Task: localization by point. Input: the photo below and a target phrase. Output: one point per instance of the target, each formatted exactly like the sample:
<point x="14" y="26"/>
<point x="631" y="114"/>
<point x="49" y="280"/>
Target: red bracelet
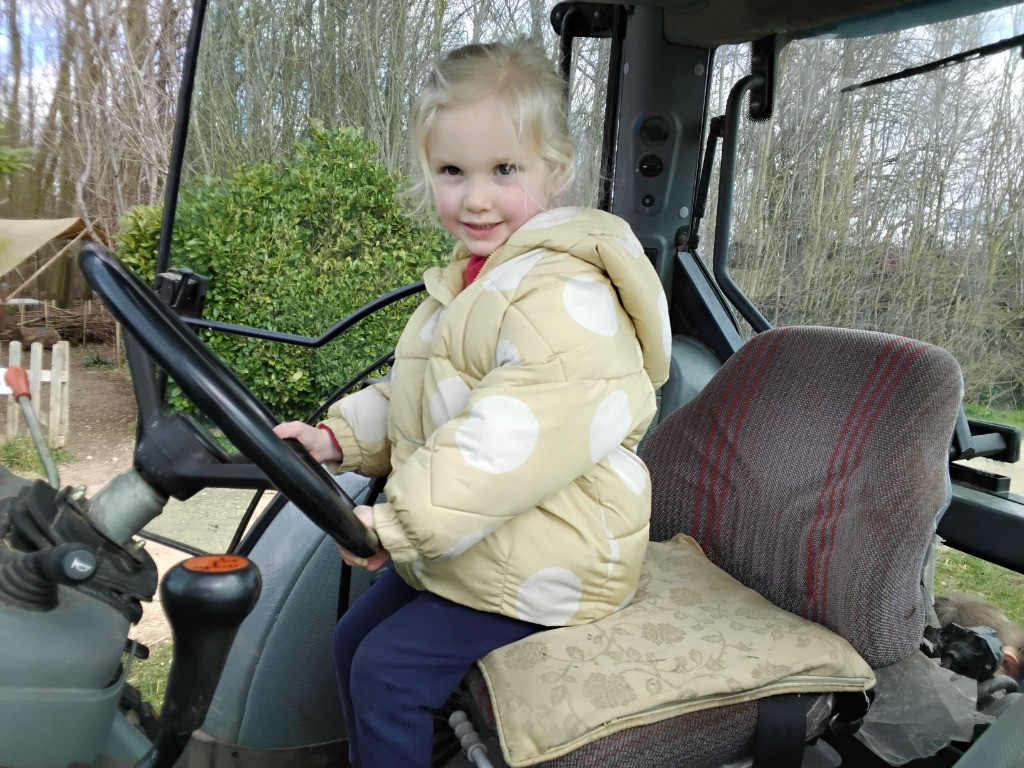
<point x="334" y="440"/>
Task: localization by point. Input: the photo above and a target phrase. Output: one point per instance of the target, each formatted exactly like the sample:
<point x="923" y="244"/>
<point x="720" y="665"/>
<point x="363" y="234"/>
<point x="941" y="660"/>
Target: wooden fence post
<point x="35" y="376"/>
<point x="58" y="377"/>
<point x="13" y="359"/>
<point x="60" y="373"/>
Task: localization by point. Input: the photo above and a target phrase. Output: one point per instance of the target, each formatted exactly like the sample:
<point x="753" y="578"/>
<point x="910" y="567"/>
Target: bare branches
<point x="896" y="208"/>
<point x="104" y="79"/>
<point x="899" y="207"/>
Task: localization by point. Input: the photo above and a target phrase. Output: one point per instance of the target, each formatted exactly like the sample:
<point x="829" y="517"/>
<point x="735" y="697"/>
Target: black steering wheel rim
<point x="224" y="398"/>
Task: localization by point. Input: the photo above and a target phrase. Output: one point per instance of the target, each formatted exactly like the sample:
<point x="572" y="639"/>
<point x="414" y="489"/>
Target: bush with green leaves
<point x="13" y="159"/>
<point x="294" y="247"/>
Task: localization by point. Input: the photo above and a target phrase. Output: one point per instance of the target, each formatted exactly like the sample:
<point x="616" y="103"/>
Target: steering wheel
<point x="225" y="399"/>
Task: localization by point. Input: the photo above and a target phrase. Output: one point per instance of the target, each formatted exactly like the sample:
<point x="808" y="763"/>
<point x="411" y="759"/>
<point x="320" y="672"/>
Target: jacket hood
<point x="601" y="239"/>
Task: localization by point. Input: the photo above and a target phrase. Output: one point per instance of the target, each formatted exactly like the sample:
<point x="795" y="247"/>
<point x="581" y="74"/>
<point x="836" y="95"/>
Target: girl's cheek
<point x="443" y="205"/>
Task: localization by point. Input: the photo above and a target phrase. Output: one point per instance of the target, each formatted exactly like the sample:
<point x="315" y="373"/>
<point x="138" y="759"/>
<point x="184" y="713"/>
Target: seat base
<point x="692" y="639"/>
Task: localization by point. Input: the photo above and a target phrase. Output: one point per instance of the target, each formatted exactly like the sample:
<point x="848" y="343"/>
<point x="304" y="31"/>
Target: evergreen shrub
<point x="294" y="247"/>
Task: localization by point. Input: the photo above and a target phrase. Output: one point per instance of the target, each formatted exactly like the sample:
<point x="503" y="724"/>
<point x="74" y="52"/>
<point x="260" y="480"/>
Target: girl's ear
<point x="560" y="179"/>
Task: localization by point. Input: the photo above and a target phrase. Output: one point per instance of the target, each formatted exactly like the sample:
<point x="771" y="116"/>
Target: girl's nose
<point x="477" y="198"/>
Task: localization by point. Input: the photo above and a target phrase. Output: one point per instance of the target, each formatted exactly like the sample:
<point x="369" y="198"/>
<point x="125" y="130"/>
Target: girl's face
<point x="486" y="184"/>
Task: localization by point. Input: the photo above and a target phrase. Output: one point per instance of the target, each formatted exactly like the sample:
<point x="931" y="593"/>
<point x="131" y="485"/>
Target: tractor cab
<point x="830" y="195"/>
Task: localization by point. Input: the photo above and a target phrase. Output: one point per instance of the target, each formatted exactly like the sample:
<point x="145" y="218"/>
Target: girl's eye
<point x="506" y="169"/>
<point x="450" y="170"/>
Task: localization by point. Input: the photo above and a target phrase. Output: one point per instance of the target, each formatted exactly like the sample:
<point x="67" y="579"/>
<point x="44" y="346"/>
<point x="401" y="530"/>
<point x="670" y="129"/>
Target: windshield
<point x="897" y="207"/>
<point x="295" y="174"/>
<point x="269" y="70"/>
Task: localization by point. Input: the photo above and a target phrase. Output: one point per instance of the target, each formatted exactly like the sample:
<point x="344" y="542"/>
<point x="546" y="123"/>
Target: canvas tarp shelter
<point x="21" y="238"/>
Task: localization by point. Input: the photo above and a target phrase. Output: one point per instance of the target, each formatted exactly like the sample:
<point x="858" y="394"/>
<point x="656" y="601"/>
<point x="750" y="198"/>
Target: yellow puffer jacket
<point x="510" y="421"/>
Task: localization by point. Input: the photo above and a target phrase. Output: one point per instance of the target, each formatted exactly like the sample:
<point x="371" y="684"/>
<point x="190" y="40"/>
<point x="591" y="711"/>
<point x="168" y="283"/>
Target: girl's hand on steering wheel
<point x="373" y="563"/>
<point x="318" y="442"/>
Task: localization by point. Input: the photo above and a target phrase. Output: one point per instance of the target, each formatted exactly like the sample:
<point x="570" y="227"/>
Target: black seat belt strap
<point x="781" y="732"/>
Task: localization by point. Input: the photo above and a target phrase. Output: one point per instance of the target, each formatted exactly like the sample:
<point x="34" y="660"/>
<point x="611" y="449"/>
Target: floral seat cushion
<point x="692" y="638"/>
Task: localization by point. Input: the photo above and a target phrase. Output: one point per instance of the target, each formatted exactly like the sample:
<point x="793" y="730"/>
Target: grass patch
<point x="95" y="359"/>
<point x="150" y="675"/>
<point x="19" y="454"/>
<point x="955" y="570"/>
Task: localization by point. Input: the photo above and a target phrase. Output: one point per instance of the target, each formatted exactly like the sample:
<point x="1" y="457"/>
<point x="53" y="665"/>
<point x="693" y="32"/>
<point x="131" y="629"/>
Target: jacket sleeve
<point x="360" y="424"/>
<point x="561" y="397"/>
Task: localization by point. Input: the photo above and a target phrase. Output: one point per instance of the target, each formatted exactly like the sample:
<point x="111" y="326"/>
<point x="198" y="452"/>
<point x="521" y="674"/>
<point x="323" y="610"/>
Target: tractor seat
<point x="806" y="479"/>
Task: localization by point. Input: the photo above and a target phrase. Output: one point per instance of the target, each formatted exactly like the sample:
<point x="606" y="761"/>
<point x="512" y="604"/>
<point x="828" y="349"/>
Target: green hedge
<point x="295" y="247"/>
<point x="13" y="160"/>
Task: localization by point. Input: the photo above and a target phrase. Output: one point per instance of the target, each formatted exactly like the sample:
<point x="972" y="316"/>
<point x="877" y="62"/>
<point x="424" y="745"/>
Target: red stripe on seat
<point x="911" y="354"/>
<point x="889" y="368"/>
<point x="740" y="357"/>
<point x="750" y="391"/>
<point x="810" y="600"/>
<point x="727" y="420"/>
<point x="749" y="350"/>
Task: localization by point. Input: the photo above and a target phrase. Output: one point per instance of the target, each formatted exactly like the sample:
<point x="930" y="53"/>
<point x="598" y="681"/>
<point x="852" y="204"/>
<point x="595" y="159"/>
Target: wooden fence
<point x="54" y="419"/>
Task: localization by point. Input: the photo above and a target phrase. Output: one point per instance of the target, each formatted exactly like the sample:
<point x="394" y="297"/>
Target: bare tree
<point x="99" y="117"/>
<point x="356" y="65"/>
<point x="12" y="92"/>
<point x="897" y="207"/>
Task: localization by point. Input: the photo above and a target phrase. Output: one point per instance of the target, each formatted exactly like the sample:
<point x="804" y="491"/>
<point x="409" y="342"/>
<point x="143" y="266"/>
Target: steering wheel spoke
<point x="220" y="395"/>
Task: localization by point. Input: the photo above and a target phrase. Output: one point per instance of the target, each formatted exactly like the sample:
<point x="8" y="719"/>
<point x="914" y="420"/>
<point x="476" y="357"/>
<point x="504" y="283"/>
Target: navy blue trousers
<point x="399" y="653"/>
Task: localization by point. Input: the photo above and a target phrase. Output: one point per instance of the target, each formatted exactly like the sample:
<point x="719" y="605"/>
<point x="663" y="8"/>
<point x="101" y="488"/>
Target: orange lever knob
<point x="17" y="380"/>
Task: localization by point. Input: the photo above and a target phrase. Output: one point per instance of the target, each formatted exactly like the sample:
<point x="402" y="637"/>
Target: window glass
<point x="292" y="187"/>
<point x="896" y="207"/>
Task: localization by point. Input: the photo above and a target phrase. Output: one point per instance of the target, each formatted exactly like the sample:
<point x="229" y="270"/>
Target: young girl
<point x="521" y="386"/>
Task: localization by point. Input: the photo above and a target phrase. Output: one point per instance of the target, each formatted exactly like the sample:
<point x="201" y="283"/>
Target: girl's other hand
<point x="322" y="447"/>
<point x="317" y="441"/>
<point x="365" y="515"/>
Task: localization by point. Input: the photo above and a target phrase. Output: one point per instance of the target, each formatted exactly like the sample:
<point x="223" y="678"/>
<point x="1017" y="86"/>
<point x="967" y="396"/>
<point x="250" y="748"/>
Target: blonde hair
<point x="518" y="72"/>
<point x="971" y="611"/>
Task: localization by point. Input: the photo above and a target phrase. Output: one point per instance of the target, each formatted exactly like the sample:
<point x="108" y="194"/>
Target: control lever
<point x="16" y="379"/>
<point x="205" y="599"/>
<point x="30" y="581"/>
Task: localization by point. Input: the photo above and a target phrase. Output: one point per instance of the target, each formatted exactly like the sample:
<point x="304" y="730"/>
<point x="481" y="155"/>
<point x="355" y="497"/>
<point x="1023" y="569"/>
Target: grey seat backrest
<point x="812" y="468"/>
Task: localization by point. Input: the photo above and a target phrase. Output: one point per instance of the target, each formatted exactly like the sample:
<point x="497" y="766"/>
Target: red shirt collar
<point x="476" y="263"/>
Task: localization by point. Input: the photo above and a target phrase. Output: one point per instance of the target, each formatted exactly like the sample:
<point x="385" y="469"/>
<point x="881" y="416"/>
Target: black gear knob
<point x="205" y="599"/>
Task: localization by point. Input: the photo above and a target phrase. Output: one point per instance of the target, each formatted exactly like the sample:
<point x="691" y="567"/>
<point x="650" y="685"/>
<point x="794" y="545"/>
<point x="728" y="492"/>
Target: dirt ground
<point x="101" y="438"/>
